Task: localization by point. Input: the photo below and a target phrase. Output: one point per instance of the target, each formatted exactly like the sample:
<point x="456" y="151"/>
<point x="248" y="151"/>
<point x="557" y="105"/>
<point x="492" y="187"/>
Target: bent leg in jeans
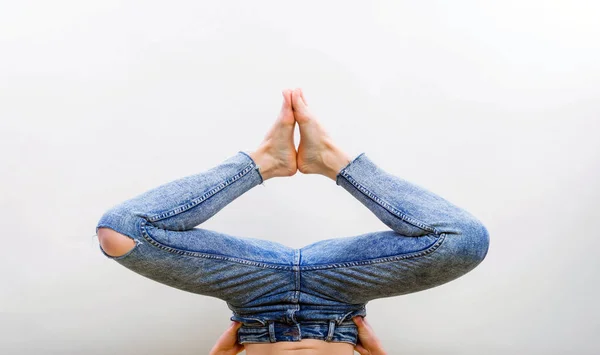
<point x="431" y="242"/>
<point x="276" y="290"/>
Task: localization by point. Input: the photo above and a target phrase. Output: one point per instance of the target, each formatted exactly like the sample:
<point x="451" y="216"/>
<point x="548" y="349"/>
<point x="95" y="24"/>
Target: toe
<point x="302" y="96"/>
<point x="297" y="99"/>
<point x="287" y="98"/>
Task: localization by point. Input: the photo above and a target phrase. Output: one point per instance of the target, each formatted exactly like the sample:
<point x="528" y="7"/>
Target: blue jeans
<point x="285" y="294"/>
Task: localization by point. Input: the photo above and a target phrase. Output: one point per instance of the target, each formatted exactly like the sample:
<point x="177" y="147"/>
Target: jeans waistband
<point x="274" y="331"/>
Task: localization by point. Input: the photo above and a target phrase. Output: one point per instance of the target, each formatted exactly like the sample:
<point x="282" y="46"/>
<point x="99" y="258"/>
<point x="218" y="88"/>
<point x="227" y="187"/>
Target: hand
<point x="368" y="343"/>
<point x="227" y="343"/>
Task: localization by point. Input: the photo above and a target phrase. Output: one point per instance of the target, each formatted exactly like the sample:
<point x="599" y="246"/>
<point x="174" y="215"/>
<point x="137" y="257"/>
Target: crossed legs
<point x="276" y="155"/>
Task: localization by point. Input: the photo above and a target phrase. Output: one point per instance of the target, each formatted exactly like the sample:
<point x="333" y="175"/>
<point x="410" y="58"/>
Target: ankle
<point x="264" y="160"/>
<point x="334" y="160"/>
<point x="271" y="164"/>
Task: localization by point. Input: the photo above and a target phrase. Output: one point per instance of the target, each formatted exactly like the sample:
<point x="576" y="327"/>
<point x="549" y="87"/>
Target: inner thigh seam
<point x="403" y="216"/>
<point x="386" y="259"/>
<point x="178" y="251"/>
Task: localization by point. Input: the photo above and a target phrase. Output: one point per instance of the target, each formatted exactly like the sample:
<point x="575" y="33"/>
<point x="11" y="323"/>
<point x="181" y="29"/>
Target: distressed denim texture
<point x="285" y="294"/>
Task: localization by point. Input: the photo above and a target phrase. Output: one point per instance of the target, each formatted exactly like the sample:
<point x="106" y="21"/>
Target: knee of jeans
<point x="482" y="241"/>
<point x="113" y="243"/>
<point x="123" y="221"/>
<point x="475" y="241"/>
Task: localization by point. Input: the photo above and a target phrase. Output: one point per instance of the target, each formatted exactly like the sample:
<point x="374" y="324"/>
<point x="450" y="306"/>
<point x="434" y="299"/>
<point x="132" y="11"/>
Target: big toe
<point x="287" y="100"/>
<point x="297" y="100"/>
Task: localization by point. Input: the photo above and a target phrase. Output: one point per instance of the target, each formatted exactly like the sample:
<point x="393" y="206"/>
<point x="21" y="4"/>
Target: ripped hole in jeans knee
<point x="115" y="244"/>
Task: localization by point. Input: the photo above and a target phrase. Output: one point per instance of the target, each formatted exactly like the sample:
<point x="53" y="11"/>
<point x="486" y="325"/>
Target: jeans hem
<point x="256" y="167"/>
<point x="345" y="167"/>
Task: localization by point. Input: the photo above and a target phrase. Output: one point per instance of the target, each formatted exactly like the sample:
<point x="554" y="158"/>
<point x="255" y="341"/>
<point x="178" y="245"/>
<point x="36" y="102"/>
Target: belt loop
<point x="331" y="329"/>
<point x="272" y="332"/>
<point x="344" y="317"/>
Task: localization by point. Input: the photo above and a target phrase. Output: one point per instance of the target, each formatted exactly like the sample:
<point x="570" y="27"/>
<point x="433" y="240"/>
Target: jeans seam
<point x="178" y="251"/>
<point x="256" y="166"/>
<point x="392" y="258"/>
<point x="403" y="216"/>
<point x="196" y="201"/>
<point x="307" y="337"/>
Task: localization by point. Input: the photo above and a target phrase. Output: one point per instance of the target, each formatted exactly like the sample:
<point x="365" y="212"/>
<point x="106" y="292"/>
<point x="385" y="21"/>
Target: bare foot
<point x="317" y="154"/>
<point x="276" y="155"/>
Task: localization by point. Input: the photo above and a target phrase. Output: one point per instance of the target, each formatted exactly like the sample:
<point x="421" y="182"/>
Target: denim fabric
<point x="285" y="294"/>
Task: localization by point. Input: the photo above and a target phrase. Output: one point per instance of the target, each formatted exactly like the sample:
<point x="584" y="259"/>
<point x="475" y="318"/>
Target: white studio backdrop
<point x="492" y="105"/>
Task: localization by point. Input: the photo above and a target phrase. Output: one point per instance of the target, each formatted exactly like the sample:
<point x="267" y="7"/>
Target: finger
<point x="239" y="348"/>
<point x="365" y="333"/>
<point x="366" y="321"/>
<point x="361" y="350"/>
<point x="234" y="327"/>
<point x="358" y="321"/>
<point x="229" y="338"/>
<point x="361" y="322"/>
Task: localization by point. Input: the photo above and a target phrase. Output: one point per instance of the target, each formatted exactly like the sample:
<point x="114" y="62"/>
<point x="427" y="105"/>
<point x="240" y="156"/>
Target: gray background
<point x="492" y="105"/>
